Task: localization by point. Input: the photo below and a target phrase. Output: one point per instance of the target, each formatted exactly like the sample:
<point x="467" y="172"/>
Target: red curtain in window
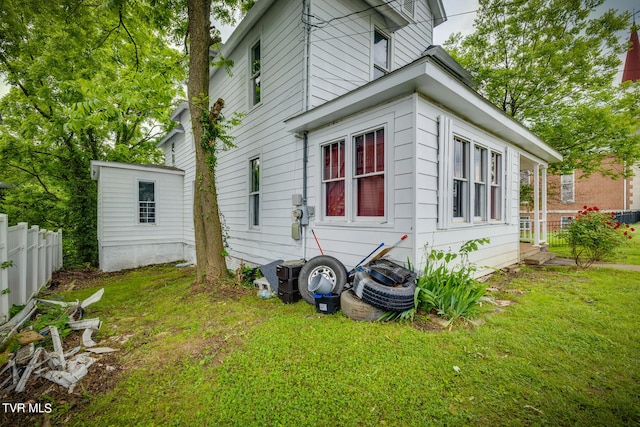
<point x="334" y="170"/>
<point x="371" y="196"/>
<point x="335" y="198"/>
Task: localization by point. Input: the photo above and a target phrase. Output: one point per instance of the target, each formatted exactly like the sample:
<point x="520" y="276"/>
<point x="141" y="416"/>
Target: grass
<point x="566" y="353"/>
<point x="629" y="253"/>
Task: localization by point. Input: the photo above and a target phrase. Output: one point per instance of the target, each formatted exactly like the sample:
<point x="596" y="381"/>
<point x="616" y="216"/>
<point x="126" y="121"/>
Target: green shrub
<point x="594" y="234"/>
<point x="451" y="291"/>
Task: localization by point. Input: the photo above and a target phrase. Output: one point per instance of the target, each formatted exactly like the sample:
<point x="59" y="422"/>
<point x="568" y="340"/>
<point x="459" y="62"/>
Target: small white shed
<point x="140" y="214"/>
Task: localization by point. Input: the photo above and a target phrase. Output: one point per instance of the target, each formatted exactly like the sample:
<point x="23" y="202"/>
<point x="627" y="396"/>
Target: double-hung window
<point x="333" y="179"/>
<point x="567" y="188"/>
<point x="369" y="173"/>
<point x="381" y="49"/>
<point x="146" y="202"/>
<point x="353" y="177"/>
<point x="460" y="177"/>
<point x="480" y="182"/>
<point x="255" y="73"/>
<point x="254" y="193"/>
<point x="485" y="178"/>
<point x="496" y="186"/>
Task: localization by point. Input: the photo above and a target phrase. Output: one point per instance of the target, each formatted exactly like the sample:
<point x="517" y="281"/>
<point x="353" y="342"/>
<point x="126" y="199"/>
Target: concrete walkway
<point x="570" y="262"/>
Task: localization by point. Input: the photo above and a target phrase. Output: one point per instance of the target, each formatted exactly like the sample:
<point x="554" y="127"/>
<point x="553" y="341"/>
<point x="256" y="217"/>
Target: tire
<point x="396" y="298"/>
<point x="329" y="267"/>
<point x="356" y="309"/>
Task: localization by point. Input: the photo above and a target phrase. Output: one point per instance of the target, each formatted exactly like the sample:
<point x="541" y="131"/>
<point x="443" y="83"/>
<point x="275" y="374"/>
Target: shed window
<point x="146" y="202"/>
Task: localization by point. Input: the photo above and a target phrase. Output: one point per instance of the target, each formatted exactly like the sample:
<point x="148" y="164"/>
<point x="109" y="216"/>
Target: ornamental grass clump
<point x="594" y="234"/>
<point x="451" y="291"/>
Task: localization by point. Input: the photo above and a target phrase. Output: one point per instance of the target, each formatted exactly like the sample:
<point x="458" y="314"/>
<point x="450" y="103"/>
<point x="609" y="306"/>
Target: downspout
<point x="306" y="12"/>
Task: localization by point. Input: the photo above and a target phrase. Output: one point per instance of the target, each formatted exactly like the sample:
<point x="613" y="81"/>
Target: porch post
<point x="543" y="228"/>
<point x="536" y="205"/>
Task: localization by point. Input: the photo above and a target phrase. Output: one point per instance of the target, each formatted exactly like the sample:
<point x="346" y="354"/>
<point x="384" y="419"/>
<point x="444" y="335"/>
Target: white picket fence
<point x="28" y="257"/>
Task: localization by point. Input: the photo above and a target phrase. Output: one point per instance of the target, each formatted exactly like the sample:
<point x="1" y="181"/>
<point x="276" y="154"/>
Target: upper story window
<point x="381" y="54"/>
<point x="146" y="202"/>
<point x="255" y="73"/>
<point x="567" y="188"/>
<point x="173" y="154"/>
<point x="254" y="192"/>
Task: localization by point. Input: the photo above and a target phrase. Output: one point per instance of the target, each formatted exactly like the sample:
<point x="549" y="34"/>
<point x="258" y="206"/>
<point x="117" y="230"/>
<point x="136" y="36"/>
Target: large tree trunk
<point x="211" y="265"/>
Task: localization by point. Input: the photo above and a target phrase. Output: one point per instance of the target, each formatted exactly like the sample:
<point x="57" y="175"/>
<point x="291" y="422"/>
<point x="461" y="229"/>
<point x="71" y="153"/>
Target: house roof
<point x="176" y="130"/>
<point x="96" y="165"/>
<point x="632" y="61"/>
<point x="433" y="76"/>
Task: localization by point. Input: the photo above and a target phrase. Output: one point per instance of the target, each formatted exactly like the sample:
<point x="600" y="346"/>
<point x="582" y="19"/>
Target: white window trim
<point x="447" y="131"/>
<point x="249" y="176"/>
<point x="384" y="121"/>
<point x="251" y="75"/>
<point x="323" y="192"/>
<point x="155" y="202"/>
<point x="572" y="181"/>
<point x="376" y="28"/>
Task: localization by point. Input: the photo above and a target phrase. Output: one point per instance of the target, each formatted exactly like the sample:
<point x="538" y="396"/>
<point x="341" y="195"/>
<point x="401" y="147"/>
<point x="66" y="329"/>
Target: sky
<point x="460" y="17"/>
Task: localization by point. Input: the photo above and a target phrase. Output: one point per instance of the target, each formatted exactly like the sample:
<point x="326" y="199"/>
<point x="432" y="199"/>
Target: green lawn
<point x="629" y="253"/>
<point x="566" y="353"/>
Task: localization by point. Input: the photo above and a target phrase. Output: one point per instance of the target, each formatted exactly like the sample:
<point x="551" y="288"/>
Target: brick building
<point x="567" y="194"/>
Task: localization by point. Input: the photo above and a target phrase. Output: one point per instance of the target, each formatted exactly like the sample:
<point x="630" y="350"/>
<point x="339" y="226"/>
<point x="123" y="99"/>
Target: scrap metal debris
<point x="32" y="360"/>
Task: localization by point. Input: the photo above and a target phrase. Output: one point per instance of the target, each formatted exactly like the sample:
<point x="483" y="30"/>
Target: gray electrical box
<point x="296" y="200"/>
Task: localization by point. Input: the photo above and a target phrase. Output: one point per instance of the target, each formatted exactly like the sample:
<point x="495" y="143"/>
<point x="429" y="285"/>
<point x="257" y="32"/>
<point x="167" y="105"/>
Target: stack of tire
<point x="379" y="287"/>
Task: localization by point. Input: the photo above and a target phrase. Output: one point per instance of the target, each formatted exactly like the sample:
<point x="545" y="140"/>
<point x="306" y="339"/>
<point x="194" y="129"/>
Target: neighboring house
<point x="570" y="193"/>
<point x="356" y="128"/>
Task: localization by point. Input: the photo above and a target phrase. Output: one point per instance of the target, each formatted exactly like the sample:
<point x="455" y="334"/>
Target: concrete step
<point x="539" y="258"/>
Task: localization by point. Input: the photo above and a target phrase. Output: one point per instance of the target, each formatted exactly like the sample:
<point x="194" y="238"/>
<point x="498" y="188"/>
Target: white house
<point x="356" y="128"/>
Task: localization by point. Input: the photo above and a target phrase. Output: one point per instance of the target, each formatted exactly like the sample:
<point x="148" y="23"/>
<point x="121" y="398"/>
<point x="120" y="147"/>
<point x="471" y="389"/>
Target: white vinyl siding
<point x="262" y="135"/>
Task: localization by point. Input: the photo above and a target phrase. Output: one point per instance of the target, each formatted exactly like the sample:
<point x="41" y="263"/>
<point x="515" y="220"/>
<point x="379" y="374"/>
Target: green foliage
<point x="551" y="64"/>
<point x="7" y="264"/>
<point x="452" y="292"/>
<point x="88" y="82"/>
<point x="594" y="234"/>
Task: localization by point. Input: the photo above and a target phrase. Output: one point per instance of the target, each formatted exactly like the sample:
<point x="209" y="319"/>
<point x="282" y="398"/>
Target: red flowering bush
<point x="593" y="234"/>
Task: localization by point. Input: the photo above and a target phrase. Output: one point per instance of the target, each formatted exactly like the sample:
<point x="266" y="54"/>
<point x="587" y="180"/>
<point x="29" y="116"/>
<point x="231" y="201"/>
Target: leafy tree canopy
<point x="551" y="65"/>
<point x="90" y="80"/>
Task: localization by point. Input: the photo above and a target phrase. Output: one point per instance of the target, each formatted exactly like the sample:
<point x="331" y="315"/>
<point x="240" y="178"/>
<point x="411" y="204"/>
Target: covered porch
<point x="533" y="202"/>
